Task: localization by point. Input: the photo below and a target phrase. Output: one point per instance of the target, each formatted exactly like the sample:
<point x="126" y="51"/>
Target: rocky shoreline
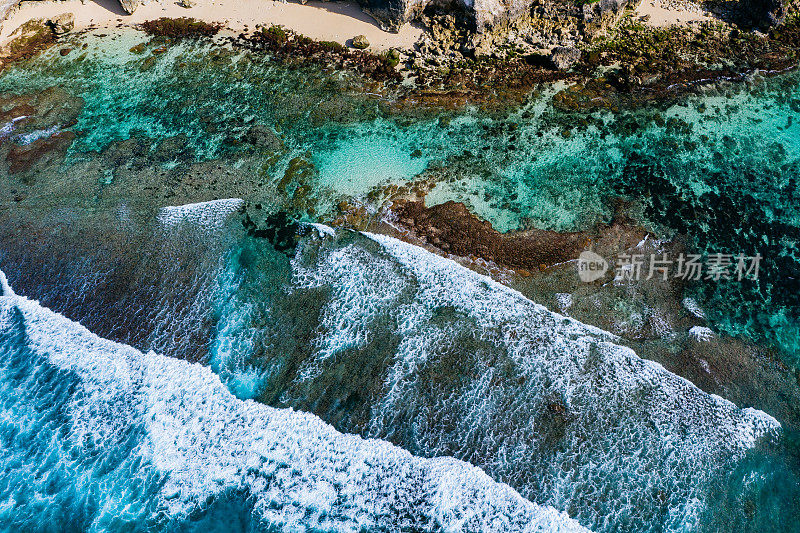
<point x="607" y="55"/>
<point x="538" y="263"/>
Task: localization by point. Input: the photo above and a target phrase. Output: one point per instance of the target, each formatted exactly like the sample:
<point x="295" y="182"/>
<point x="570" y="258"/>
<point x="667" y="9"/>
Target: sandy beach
<point x="661" y="14"/>
<point x="329" y="21"/>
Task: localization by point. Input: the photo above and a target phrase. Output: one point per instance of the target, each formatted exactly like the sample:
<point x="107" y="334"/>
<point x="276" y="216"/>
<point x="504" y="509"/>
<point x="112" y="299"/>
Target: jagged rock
<point x="392" y="14"/>
<point x="484" y="14"/>
<point x="129" y="6"/>
<point x="601" y="15"/>
<point x="360" y="42"/>
<point x="563" y="57"/>
<point x="188" y="4"/>
<point x="491" y="13"/>
<point x="62" y="24"/>
<point x="6" y="7"/>
<point x="767" y="12"/>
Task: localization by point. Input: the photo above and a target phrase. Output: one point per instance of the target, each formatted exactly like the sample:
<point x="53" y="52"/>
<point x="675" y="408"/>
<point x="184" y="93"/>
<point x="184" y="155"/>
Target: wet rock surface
<point x="26" y="41"/>
<point x="452" y="228"/>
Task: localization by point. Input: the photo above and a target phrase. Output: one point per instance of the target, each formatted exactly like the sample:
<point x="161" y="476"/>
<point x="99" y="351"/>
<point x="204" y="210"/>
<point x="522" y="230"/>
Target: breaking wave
<point x="384" y="340"/>
<point x="400" y="344"/>
<point x="97" y="436"/>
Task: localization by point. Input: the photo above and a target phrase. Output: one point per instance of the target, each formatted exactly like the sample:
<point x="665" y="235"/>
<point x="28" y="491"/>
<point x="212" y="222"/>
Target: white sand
<point x="329" y="21"/>
<point x="662" y="15"/>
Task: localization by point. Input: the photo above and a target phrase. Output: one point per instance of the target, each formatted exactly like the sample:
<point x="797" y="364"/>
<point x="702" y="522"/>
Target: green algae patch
<point x="332" y="46"/>
<point x="28" y="40"/>
<point x="392" y="57"/>
<point x="138" y="49"/>
<point x="275" y="35"/>
<point x="180" y="28"/>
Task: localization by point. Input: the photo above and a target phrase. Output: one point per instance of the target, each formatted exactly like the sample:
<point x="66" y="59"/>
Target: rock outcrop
<point x="563" y="57"/>
<point x="63" y="23"/>
<point x="483" y="14"/>
<point x="762" y="13"/>
<point x="129" y="6"/>
<point x="601" y="15"/>
<point x="360" y="42"/>
<point x="6" y="7"/>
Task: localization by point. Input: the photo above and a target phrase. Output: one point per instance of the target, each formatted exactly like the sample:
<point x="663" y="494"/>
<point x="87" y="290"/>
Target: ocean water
<point x="383" y="339"/>
<point x="474" y="401"/>
<point x="100" y="437"/>
<point x="719" y="168"/>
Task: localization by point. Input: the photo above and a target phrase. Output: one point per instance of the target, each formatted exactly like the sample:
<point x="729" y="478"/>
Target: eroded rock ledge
<point x="452" y="228"/>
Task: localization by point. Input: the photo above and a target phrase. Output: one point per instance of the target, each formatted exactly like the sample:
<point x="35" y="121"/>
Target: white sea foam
<point x="701" y="334"/>
<point x="28" y="138"/>
<point x="8" y="127"/>
<point x="564" y="300"/>
<point x="323" y="230"/>
<point x="556" y="408"/>
<point x="691" y="305"/>
<point x="202" y="444"/>
<point x="5" y="288"/>
<point x="208" y="214"/>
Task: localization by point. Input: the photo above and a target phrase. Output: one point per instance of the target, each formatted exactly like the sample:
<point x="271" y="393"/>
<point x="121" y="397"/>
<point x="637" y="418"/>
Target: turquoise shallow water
<point x="720" y="168"/>
<point x="376" y="344"/>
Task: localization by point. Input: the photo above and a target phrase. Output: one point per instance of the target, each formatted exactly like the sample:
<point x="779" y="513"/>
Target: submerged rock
<point x="40" y="153"/>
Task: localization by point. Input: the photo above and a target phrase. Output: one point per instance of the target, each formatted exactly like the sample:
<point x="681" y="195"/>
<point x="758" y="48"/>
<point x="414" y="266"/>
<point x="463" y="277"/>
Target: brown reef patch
<point x="17" y="113"/>
<point x="452" y="228"/>
<point x="42" y="110"/>
<point x="42" y="152"/>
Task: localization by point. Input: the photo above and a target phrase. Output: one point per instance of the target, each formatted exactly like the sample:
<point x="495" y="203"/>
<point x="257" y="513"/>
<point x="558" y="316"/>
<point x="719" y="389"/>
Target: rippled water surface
<point x="139" y="231"/>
